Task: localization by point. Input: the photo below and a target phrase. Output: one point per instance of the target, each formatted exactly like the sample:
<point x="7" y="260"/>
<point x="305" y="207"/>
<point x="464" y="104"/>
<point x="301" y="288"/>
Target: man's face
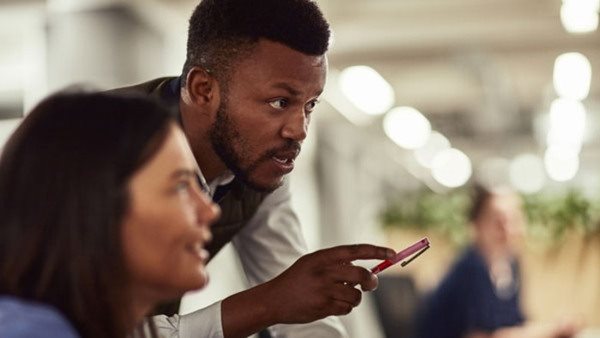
<point x="264" y="112"/>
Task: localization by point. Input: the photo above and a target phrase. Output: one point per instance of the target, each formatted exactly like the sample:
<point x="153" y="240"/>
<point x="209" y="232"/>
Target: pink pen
<point x="416" y="249"/>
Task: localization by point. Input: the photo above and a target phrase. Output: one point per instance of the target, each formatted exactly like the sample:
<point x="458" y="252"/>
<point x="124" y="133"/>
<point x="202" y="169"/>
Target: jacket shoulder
<point x="146" y="88"/>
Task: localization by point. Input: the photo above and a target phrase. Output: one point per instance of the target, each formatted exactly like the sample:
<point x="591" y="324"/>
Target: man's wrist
<point x="248" y="312"/>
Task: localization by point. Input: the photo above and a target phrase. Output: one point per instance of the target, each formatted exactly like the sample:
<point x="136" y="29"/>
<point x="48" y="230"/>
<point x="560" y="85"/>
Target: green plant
<point x="549" y="217"/>
<point x="552" y="216"/>
<point x="445" y="213"/>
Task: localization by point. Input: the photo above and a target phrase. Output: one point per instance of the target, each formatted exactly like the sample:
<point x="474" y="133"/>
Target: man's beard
<point x="223" y="135"/>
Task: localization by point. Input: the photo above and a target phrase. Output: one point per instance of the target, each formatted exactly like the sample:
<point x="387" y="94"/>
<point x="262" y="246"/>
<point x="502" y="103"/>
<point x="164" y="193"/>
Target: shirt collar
<point x="224" y="179"/>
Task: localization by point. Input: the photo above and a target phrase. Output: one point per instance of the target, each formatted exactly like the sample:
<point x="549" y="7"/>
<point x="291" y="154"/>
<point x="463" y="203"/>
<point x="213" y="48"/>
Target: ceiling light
<point x="526" y="173"/>
<point x="451" y="168"/>
<point x="561" y="163"/>
<point x="435" y="143"/>
<point x="572" y="76"/>
<point x="579" y="16"/>
<point x="407" y="127"/>
<point x="567" y="123"/>
<point x="366" y="89"/>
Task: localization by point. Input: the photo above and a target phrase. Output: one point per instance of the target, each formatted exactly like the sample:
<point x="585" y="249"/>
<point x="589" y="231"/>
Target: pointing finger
<point x="348" y="253"/>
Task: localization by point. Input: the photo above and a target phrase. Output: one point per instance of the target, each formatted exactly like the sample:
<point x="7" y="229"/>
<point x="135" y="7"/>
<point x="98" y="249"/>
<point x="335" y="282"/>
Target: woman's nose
<point x="208" y="211"/>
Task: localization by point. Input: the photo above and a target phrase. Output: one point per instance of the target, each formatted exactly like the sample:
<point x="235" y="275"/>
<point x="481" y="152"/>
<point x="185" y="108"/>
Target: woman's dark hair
<point x="222" y="31"/>
<point x="479" y="198"/>
<point x="63" y="196"/>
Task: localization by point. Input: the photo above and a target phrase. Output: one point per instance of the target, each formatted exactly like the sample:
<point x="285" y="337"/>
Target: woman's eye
<point x="279" y="103"/>
<point x="183" y="186"/>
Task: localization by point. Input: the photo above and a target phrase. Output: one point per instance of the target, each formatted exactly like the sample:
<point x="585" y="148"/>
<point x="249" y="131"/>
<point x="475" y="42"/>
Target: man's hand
<point x="323" y="283"/>
<point x="317" y="285"/>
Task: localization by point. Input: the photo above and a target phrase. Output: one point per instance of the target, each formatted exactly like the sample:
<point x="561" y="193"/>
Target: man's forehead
<point x="266" y="49"/>
<point x="297" y="91"/>
<point x="281" y="67"/>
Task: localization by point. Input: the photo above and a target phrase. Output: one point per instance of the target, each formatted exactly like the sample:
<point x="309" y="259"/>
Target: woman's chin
<point x="196" y="283"/>
<point x="199" y="282"/>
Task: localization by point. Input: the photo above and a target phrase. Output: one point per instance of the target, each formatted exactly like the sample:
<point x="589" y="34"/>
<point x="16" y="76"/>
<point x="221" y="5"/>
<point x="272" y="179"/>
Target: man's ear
<point x="202" y="88"/>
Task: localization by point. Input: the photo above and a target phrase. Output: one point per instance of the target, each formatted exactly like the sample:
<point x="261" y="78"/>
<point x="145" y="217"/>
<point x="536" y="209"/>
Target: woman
<point x="480" y="297"/>
<point x="101" y="218"/>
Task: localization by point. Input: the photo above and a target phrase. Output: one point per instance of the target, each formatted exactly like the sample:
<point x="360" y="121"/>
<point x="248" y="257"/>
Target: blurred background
<point x="424" y="98"/>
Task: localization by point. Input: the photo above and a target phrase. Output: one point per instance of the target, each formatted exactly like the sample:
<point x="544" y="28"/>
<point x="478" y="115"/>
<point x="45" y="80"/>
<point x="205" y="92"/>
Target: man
<point x="254" y="73"/>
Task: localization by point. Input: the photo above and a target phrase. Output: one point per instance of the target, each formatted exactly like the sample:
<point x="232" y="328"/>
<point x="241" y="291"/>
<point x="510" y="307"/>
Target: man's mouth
<point x="285" y="159"/>
<point x="287" y="155"/>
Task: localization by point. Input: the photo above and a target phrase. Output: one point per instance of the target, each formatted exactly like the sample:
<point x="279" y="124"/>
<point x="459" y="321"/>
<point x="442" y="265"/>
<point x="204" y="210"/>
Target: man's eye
<point x="279" y="103"/>
<point x="309" y="107"/>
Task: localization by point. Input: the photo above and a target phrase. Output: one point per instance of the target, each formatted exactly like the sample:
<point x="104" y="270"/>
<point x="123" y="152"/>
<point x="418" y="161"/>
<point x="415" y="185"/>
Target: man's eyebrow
<point x="287" y="87"/>
<point x="292" y="90"/>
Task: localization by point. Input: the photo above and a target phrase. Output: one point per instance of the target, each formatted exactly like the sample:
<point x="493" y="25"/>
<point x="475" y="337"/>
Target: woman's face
<point x="502" y="220"/>
<point x="168" y="222"/>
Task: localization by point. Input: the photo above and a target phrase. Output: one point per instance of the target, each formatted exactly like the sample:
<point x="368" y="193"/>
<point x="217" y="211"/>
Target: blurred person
<point x="101" y="218"/>
<point x="480" y="297"/>
<point x="254" y="72"/>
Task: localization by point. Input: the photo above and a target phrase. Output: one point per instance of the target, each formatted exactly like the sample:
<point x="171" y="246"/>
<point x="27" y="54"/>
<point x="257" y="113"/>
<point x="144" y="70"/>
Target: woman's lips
<point x="197" y="249"/>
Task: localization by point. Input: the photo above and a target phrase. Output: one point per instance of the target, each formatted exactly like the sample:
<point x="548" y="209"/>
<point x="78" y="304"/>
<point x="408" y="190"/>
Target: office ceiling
<point x="462" y="56"/>
<point x="454" y="60"/>
<point x="478" y="69"/>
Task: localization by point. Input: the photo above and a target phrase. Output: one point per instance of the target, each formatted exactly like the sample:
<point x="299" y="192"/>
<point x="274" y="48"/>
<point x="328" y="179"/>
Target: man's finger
<point x="348" y="294"/>
<point x="339" y="308"/>
<point x="351" y="274"/>
<point x="348" y="253"/>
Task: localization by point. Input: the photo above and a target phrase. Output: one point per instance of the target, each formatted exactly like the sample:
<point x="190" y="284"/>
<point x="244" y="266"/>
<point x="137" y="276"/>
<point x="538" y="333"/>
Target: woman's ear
<point x="201" y="87"/>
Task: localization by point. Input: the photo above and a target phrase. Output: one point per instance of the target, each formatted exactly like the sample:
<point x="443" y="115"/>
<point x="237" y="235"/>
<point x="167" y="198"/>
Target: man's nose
<point x="296" y="127"/>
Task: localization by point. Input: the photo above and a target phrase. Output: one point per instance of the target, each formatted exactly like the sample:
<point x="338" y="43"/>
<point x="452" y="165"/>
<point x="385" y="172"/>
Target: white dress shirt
<point x="270" y="243"/>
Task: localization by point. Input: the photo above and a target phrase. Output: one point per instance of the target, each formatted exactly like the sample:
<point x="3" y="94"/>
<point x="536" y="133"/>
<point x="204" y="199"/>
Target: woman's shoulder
<point x="20" y="318"/>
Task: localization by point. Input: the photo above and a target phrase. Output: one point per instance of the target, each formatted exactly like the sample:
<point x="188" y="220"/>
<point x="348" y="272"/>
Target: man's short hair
<point x="221" y="31"/>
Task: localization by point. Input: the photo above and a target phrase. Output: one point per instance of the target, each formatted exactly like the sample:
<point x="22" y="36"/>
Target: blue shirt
<point x="467" y="301"/>
<point x="23" y="319"/>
